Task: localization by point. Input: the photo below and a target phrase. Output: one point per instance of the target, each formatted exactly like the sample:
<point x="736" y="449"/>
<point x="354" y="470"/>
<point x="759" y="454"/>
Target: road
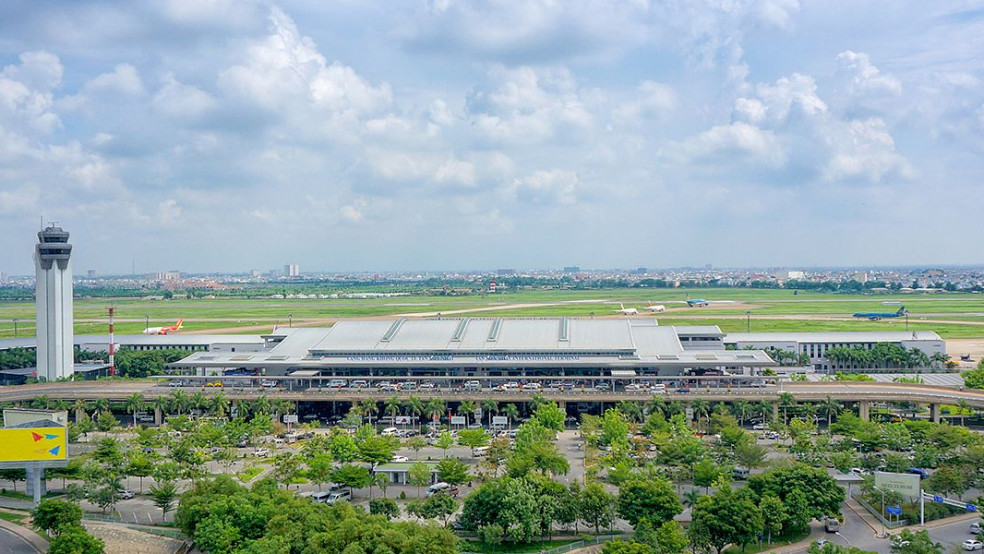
<point x="855" y="532"/>
<point x="11" y="543"/>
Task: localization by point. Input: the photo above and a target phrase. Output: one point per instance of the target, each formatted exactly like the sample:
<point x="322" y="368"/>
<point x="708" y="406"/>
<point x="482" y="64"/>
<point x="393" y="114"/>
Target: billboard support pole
<point x="922" y="507"/>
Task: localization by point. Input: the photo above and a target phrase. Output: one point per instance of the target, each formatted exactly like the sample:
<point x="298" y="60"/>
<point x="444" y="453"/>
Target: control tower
<point x="54" y="304"/>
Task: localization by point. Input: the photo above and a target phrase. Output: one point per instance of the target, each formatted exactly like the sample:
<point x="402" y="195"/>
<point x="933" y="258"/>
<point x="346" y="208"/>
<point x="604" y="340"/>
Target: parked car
<point x="635" y="387"/>
<point x="427" y="386"/>
<point x="268" y="384"/>
<point x="387" y="387"/>
<point x="127" y="494"/>
<point x="359" y="384"/>
<point x="972" y="544"/>
<point x="261" y="453"/>
<point x="339" y="496"/>
<point x="390" y="432"/>
<point x="399" y="459"/>
<point x="683" y="390"/>
<point x="760" y="427"/>
<point x="442" y="488"/>
<point x="472" y="385"/>
<point x="176" y="383"/>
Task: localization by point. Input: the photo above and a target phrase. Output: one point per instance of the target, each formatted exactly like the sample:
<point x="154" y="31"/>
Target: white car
<point x="532" y="386"/>
<point x="427" y="386"/>
<point x="760" y="427"/>
<point x="822" y="542"/>
<point x="261" y="453"/>
<point x="400" y="459"/>
<point x="389" y="432"/>
<point x="972" y="544"/>
<point x="388" y="387"/>
<point x="126" y="494"/>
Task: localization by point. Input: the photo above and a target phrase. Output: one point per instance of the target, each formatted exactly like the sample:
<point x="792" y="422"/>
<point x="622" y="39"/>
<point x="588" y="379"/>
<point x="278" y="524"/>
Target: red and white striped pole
<point x="112" y="346"/>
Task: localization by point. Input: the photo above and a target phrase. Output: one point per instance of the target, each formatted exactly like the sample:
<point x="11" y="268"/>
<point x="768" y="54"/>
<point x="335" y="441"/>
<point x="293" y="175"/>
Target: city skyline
<point x="228" y="136"/>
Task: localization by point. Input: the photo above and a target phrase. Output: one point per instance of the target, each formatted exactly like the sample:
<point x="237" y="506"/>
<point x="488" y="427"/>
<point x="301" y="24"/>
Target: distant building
<point x="795" y="274"/>
<point x="292" y="270"/>
<point x="816" y="344"/>
<point x="169" y="276"/>
<point x="90" y="274"/>
<point x="572" y="269"/>
<point x="54" y="304"/>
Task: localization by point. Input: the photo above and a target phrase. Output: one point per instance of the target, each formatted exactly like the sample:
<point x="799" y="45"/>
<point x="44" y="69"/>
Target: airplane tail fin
<point x="901" y="311"/>
<point x="178" y="324"/>
<point x="621" y="305"/>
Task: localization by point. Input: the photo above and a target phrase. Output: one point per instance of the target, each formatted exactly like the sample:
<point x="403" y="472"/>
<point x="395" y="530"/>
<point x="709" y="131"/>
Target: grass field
<point x="951" y="315"/>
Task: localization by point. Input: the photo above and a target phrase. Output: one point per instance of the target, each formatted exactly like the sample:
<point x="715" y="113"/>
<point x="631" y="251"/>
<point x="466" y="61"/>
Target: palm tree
<point x="939" y="359"/>
<point x="133" y="404"/>
<point x="830" y="408"/>
<point x="368" y="408"/>
<point x="80" y="406"/>
<point x="656" y="404"/>
<point x="964" y="407"/>
<point x="701" y="408"/>
<point x="41" y="403"/>
<point x="242" y="408"/>
<point x="765" y="410"/>
<point x="786" y="401"/>
<point x="199" y="401"/>
<point x="511" y="411"/>
<point x="101" y="405"/>
<point x="392" y="407"/>
<point x="466" y="409"/>
<point x="741" y="409"/>
<point x="434" y="409"/>
<point x="261" y="406"/>
<point x="690" y="497"/>
<point x="631" y="410"/>
<point x="490" y="407"/>
<point x="415" y="406"/>
<point x="219" y="405"/>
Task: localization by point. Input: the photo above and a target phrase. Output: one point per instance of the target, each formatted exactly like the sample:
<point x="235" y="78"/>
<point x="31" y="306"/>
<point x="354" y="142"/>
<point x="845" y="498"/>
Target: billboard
<point x="39" y="444"/>
<point x="500" y="421"/>
<point x="457" y="420"/>
<point x="905" y="483"/>
<point x="290" y="418"/>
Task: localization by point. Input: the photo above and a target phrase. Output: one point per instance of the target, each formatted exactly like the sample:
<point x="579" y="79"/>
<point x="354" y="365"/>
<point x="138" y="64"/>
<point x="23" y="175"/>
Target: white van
<point x="390" y="432"/>
<point x="320" y="497"/>
<point x="658" y="388"/>
<point x="472" y="385"/>
<point x="336" y="383"/>
<point x="480" y="451"/>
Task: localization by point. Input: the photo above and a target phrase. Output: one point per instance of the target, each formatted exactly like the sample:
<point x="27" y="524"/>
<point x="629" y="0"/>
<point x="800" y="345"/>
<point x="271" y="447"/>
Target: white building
<point x="52" y="260"/>
<point x="815" y="345"/>
<point x="292" y="270"/>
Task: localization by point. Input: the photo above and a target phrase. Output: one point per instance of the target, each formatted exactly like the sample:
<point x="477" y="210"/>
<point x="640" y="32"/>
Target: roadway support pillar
<point x="79" y="412"/>
<point x="562" y="404"/>
<point x="775" y="412"/>
<point x="864" y="410"/>
<point x="934" y="412"/>
<point x="158" y="416"/>
<point x="35" y="483"/>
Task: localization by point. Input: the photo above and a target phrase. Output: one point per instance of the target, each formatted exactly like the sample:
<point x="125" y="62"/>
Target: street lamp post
<point x="748" y="322"/>
<point x="290" y="320"/>
<point x="15" y="327"/>
<point x="146" y="322"/>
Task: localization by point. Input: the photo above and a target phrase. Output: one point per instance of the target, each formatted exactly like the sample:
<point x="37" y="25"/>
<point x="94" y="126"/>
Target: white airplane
<point x="655" y="307"/>
<point x="164" y="330"/>
<point x="627" y="311"/>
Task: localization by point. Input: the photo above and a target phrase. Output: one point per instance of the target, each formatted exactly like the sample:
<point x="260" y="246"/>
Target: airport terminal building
<point x="477" y="347"/>
<point x="816" y="344"/>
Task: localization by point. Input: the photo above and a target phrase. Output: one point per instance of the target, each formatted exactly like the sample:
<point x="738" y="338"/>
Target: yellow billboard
<point x="40" y="444"/>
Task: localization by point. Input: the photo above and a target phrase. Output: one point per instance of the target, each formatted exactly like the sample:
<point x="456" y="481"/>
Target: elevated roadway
<point x="862" y="393"/>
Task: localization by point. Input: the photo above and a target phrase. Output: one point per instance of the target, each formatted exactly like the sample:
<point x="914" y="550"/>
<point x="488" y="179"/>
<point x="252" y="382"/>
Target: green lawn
<point x="232" y="312"/>
<point x="14" y="518"/>
<point x="763" y="547"/>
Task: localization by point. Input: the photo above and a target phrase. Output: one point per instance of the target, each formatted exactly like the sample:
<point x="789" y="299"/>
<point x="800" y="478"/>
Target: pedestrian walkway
<point x="29" y="536"/>
<point x="864" y="515"/>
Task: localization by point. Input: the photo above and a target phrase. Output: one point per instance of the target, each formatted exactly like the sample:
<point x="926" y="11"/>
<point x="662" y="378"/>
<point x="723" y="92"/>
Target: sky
<point x="352" y="135"/>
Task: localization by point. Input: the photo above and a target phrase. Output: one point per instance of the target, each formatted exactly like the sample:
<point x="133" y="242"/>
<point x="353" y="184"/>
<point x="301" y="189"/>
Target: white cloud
<point x="555" y="186"/>
<point x="865" y="149"/>
<point x="185" y="102"/>
<point x="651" y="99"/>
<point x="865" y="77"/>
<point x="739" y="142"/>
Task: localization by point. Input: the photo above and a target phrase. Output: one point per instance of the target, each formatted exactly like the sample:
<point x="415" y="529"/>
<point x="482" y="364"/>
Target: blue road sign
<point x="938" y="499"/>
<point x="971" y="508"/>
<point x="894" y="510"/>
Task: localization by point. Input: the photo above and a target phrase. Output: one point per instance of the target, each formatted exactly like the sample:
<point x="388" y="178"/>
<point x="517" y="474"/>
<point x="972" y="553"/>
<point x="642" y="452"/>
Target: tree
<point x="750" y="455"/>
<point x="106" y="421"/>
<point x="619" y="546"/>
<point x="706" y="472"/>
<point x="919" y="542"/>
<point x="163" y="495"/>
<point x="451" y="470"/>
<point x="385" y="507"/>
<point x="419" y="475"/>
<point x="550" y="416"/>
<point x="285" y="468"/>
<point x="319" y="469"/>
<point x="511" y="411"/>
<point x="342" y="447"/>
<point x="822" y="495"/>
<point x="473" y="438"/>
<point x="490" y="407"/>
<point x="133" y="404"/>
<point x="377" y="449"/>
<point x="52" y="515"/>
<point x="353" y="476"/>
<point x="597" y="506"/>
<point x="668" y="538"/>
<point x="773" y="515"/>
<point x="439" y="506"/>
<point x="467" y="408"/>
<point x="655" y="500"/>
<point x="74" y="539"/>
<point x="725" y="518"/>
<point x="949" y="479"/>
<point x="445" y="441"/>
<point x="368" y="408"/>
